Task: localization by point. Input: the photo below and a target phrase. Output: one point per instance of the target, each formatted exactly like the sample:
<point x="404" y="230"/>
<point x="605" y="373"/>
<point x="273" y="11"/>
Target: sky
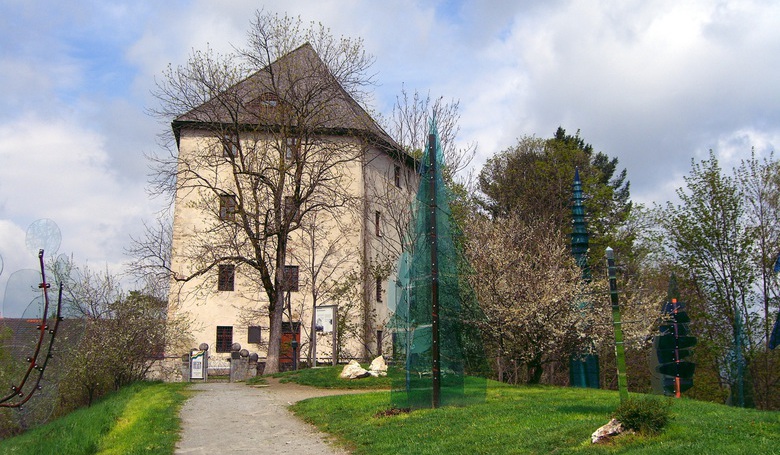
<point x="653" y="83"/>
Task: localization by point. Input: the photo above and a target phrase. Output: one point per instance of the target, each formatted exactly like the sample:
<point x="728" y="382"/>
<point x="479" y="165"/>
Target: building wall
<point x="347" y="241"/>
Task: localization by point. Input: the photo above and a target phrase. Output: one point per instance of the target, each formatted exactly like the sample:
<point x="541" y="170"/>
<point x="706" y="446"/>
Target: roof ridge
<point x="271" y="78"/>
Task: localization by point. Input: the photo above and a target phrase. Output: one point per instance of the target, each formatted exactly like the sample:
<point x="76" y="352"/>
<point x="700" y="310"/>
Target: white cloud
<point x="654" y="83"/>
<point x="57" y="169"/>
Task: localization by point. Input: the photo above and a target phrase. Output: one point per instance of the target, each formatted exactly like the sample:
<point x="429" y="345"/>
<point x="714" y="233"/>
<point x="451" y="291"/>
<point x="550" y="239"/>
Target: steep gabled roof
<point x="299" y="80"/>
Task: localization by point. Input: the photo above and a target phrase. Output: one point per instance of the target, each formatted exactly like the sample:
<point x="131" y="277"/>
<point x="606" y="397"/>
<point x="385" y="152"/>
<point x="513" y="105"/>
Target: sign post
<point x="326" y="323"/>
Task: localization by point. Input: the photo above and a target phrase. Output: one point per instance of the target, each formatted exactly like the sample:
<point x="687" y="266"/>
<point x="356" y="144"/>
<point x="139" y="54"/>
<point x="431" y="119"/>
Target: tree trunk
<point x="535" y="371"/>
<point x="313" y="336"/>
<point x="275" y="336"/>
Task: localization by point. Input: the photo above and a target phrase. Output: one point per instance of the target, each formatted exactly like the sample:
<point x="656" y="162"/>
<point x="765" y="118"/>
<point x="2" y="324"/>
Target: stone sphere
<point x="235" y="347"/>
<point x="204" y="347"/>
<point x="253" y="357"/>
<point x="244" y="353"/>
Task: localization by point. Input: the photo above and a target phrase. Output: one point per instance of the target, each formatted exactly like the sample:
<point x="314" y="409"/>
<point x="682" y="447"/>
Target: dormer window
<point x="269" y="100"/>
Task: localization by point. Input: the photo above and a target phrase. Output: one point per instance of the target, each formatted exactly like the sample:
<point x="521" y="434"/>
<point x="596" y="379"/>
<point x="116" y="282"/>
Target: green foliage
<point x="328" y="378"/>
<point x="533" y="179"/>
<point x="139" y="419"/>
<point x="707" y="233"/>
<point x="534" y="420"/>
<point x="647" y="415"/>
<point x="117" y="348"/>
<point x="8" y="423"/>
<point x="353" y="308"/>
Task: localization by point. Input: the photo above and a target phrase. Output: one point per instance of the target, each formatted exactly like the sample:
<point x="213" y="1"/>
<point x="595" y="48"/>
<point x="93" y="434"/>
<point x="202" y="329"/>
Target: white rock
<point x="607" y="432"/>
<point x="353" y="370"/>
<point x="378" y="367"/>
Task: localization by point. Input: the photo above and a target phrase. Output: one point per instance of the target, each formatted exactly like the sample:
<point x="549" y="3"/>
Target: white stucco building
<point x="286" y="156"/>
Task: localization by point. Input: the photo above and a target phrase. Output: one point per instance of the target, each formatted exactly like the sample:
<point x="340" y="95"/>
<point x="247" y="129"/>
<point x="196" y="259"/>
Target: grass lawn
<point x="139" y="419"/>
<point x="328" y="378"/>
<point x="539" y="420"/>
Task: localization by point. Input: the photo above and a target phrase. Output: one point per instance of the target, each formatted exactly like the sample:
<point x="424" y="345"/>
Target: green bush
<point x="646" y="415"/>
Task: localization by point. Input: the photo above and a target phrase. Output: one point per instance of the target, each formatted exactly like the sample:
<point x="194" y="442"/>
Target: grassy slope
<point x="139" y="419"/>
<point x="143" y="418"/>
<point x="536" y="420"/>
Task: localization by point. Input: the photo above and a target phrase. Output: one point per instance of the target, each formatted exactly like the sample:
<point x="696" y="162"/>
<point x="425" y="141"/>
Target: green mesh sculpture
<point x="434" y="342"/>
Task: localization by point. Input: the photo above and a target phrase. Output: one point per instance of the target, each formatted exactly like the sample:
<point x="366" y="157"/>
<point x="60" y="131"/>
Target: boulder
<point x="378" y="367"/>
<point x="353" y="370"/>
<point x="607" y="432"/>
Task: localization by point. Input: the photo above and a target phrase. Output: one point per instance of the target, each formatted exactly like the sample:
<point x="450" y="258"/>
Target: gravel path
<point x="225" y="418"/>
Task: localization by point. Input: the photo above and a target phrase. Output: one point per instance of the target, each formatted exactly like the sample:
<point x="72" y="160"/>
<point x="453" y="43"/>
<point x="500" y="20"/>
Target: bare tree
<point x="150" y="256"/>
<point x="325" y="259"/>
<point x="266" y="139"/>
<point x="410" y="122"/>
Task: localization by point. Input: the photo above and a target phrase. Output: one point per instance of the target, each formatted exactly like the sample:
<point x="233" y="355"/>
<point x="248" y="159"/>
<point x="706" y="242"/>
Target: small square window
<point x="227" y="277"/>
<point x="224" y="338"/>
<point x="227" y="207"/>
<point x="253" y="334"/>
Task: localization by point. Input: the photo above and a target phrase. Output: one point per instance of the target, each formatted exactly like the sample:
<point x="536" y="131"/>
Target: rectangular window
<point x="397" y="176"/>
<point x="289" y="149"/>
<point x="227" y="277"/>
<point x="229" y="146"/>
<point x="378" y="223"/>
<point x="289" y="208"/>
<point x="253" y="334"/>
<point x="378" y="289"/>
<point x="227" y="207"/>
<point x="290" y="277"/>
<point x="224" y="338"/>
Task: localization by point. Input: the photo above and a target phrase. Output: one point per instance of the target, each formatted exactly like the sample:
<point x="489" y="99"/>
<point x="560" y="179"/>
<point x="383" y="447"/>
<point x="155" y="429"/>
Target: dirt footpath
<point x="229" y="418"/>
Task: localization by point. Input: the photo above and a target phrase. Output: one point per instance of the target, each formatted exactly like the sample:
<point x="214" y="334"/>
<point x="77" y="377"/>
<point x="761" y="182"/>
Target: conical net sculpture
<point x="434" y="340"/>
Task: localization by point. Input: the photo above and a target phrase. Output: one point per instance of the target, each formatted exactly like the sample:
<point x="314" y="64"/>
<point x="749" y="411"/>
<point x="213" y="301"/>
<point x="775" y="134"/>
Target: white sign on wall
<point x="326" y="317"/>
<point x="197" y="364"/>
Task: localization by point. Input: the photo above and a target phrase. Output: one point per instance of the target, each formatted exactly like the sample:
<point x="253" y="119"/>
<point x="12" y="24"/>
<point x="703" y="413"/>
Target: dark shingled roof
<point x="298" y="74"/>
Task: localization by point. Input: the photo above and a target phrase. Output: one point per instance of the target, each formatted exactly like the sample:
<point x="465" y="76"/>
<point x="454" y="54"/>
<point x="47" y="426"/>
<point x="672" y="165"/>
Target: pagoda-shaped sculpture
<point x="583" y="367"/>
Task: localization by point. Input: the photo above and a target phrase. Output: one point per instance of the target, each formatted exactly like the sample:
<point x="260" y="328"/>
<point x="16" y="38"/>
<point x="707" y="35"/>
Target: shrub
<point x="646" y="415"/>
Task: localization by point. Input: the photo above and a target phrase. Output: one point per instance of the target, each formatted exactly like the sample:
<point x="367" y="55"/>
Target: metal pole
<point x="435" y="367"/>
<point x="335" y="310"/>
<point x="620" y="352"/>
<point x="677" y="391"/>
<point x="739" y="359"/>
